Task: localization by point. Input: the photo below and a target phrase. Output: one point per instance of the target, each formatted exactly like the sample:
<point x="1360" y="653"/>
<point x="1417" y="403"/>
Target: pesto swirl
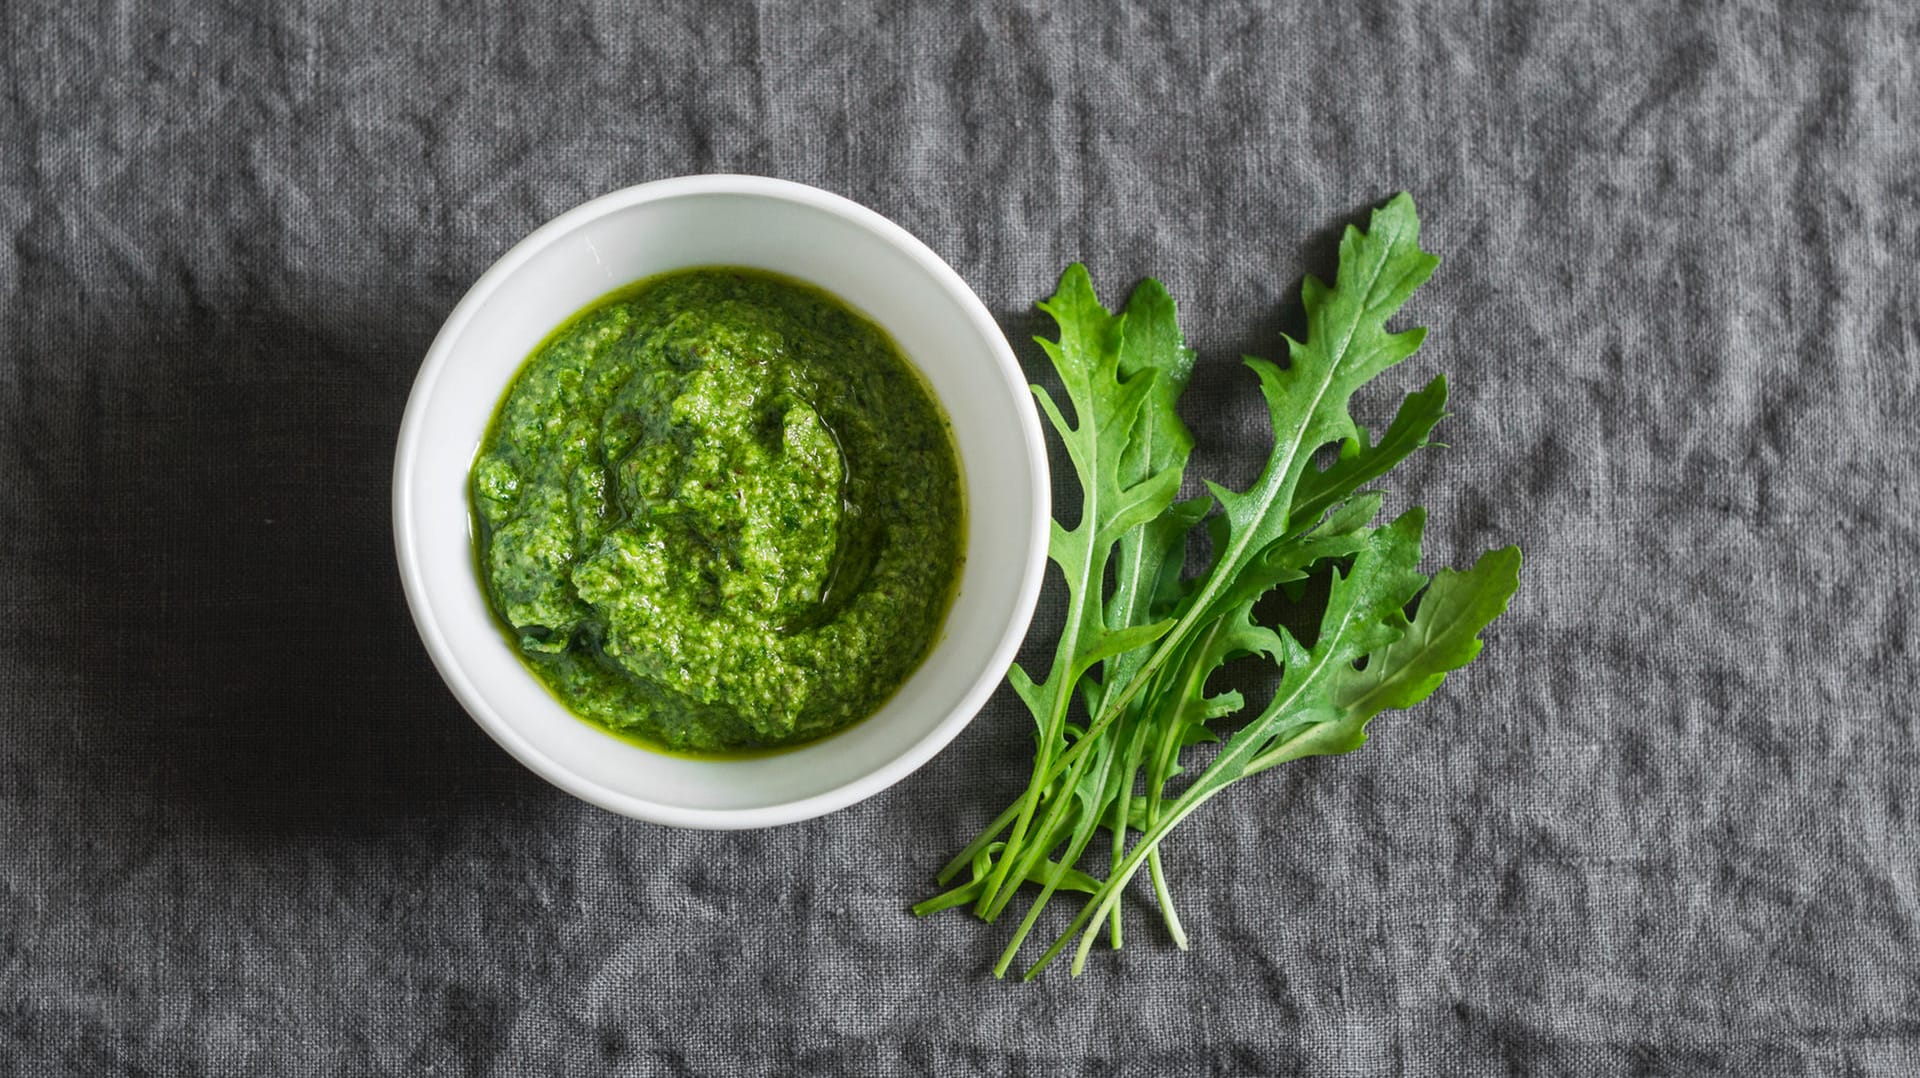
<point x="718" y="511"/>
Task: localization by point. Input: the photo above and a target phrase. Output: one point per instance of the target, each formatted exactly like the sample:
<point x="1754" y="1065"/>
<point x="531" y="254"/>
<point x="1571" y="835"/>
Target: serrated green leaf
<point x="1349" y="516"/>
<point x="1443" y="636"/>
<point x="1168" y="537"/>
<point x="1036" y="700"/>
<point x="1118" y="641"/>
<point x="1347" y="344"/>
<point x="1365" y="611"/>
<point x="1139" y="653"/>
<point x="1361" y="462"/>
<point x="1122" y="375"/>
<point x="1159" y="445"/>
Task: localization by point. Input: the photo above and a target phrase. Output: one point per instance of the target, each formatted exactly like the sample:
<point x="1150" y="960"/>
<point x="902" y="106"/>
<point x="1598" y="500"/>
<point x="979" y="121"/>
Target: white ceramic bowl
<point x="802" y="232"/>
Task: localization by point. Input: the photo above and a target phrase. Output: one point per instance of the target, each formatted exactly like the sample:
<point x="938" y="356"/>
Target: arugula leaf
<point x="1444" y="636"/>
<point x="1159" y="638"/>
<point x="1347" y="345"/>
<point x="1181" y="719"/>
<point x="1361" y="463"/>
<point x="1126" y="481"/>
<point x="1323" y="703"/>
<point x="1159" y="442"/>
<point x="1149" y="345"/>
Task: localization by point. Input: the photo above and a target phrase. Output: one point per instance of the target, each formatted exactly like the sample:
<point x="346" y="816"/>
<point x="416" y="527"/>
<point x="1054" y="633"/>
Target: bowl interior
<point x="859" y="258"/>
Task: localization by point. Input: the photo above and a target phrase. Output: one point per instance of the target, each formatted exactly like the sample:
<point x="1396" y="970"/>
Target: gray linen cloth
<point x="1665" y="826"/>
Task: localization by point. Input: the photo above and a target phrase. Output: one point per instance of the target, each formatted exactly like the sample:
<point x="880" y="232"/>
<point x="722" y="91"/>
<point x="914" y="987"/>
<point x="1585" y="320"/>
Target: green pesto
<point x="718" y="512"/>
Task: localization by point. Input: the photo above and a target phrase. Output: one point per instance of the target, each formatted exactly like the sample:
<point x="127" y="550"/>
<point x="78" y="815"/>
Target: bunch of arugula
<point x="1141" y="640"/>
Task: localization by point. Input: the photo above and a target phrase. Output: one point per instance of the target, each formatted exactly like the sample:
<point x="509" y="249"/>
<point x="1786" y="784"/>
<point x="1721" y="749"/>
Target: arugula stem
<point x="1160" y="894"/>
<point x="1225" y="769"/>
<point x="1086" y="823"/>
<point x="1278" y="754"/>
<point x="1027" y="922"/>
<point x="1108" y="897"/>
<point x="958" y="896"/>
<point x="1017" y="863"/>
<point x="1191" y="684"/>
<point x="1121" y="801"/>
<point x="1059" y="681"/>
<point x="1109" y="712"/>
<point x="984" y="839"/>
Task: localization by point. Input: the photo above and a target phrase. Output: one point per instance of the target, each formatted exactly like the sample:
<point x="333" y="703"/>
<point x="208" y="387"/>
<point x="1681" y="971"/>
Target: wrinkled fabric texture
<point x="1666" y="824"/>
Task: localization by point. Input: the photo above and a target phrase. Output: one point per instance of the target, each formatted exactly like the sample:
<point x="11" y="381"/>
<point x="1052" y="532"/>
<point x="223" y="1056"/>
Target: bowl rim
<point x="440" y="648"/>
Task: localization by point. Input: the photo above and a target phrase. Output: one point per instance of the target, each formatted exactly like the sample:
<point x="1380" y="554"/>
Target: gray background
<point x="1665" y="826"/>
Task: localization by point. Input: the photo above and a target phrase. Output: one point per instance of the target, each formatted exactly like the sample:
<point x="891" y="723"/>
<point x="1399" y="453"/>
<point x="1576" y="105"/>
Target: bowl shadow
<point x="207" y="550"/>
